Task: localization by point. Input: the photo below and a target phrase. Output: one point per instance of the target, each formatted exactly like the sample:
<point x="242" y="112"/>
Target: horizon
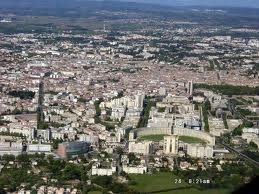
<point x="173" y="3"/>
<point x="218" y="3"/>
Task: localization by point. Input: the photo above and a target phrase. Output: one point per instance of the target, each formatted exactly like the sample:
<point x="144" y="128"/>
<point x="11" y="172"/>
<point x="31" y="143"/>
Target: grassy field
<point x="181" y="138"/>
<point x="187" y="139"/>
<point x="152" y="137"/>
<point x="94" y="192"/>
<point x="164" y="183"/>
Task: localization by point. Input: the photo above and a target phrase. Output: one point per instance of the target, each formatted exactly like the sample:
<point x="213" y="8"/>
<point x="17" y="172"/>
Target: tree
<point x="144" y="119"/>
<point x="230" y="89"/>
<point x="23" y="159"/>
<point x="24" y="95"/>
<point x="238" y="131"/>
<point x="253" y="145"/>
<point x="55" y="143"/>
<point x="8" y="158"/>
<point x="43" y="125"/>
<point x="205" y="108"/>
<point x="133" y="159"/>
<point x="225" y="121"/>
<point x="119" y="150"/>
<point x="71" y="172"/>
<point x="103" y="181"/>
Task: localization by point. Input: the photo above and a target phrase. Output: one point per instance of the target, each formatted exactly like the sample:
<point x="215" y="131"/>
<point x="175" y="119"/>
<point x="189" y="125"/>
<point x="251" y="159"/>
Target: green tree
<point x="104" y="181"/>
<point x="253" y="145"/>
<point x="8" y="157"/>
<point x="205" y="108"/>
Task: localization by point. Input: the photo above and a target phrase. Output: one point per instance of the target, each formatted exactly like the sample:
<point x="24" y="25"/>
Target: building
<point x="139" y="132"/>
<point x="162" y="91"/>
<point x="134" y="169"/>
<point x="44" y="134"/>
<point x="144" y="148"/>
<point x="171" y="144"/>
<point x="102" y="171"/>
<point x="251" y="130"/>
<point x="10" y="148"/>
<point x="210" y="139"/>
<point x="190" y="88"/>
<point x="72" y="149"/>
<point x="39" y="148"/>
<point x="139" y="100"/>
<point x="199" y="151"/>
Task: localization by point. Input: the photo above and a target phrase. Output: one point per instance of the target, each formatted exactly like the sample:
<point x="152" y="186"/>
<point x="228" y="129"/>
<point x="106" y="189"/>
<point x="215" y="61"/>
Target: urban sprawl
<point x="84" y="112"/>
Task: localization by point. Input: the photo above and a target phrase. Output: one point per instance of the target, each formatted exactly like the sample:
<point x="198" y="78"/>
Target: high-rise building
<point x="190" y="88"/>
<point x="32" y="134"/>
<point x="44" y="134"/>
<point x="40" y="114"/>
<point x="171" y="144"/>
<point x="139" y="100"/>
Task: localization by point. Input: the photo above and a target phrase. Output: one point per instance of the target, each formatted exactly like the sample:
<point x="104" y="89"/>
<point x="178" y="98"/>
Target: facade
<point x="144" y="148"/>
<point x="10" y="148"/>
<point x="99" y="170"/>
<point x="199" y="151"/>
<point x="171" y="144"/>
<point x="134" y="169"/>
<point x="71" y="149"/>
<point x="251" y="130"/>
<point x="44" y="134"/>
<point x="38" y="148"/>
<point x="103" y="171"/>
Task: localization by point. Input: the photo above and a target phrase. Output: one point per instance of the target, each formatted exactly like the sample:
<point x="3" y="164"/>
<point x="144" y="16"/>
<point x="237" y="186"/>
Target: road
<point x="241" y="154"/>
<point x="232" y="108"/>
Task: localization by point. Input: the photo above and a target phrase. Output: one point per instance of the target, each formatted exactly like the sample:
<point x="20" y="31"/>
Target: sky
<point x="231" y="3"/>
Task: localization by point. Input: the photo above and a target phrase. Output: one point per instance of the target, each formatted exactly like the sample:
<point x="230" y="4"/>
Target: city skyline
<point x="128" y="98"/>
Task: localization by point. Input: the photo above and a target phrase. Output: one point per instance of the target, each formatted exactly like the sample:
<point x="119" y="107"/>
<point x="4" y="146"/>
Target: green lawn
<point x="94" y="192"/>
<point x="181" y="138"/>
<point x="188" y="139"/>
<point x="152" y="137"/>
<point x="164" y="183"/>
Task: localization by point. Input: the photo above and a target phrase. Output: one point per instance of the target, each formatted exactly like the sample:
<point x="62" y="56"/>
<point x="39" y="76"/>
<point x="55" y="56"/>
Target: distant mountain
<point x="77" y="3"/>
<point x="86" y="8"/>
<point x="221" y="3"/>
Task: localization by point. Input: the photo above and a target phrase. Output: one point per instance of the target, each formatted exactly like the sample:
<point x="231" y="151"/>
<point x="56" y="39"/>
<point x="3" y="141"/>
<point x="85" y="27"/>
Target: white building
<point x="251" y="130"/>
<point x="144" y="148"/>
<point x="254" y="109"/>
<point x="103" y="171"/>
<point x="97" y="170"/>
<point x="134" y="169"/>
<point x="10" y="148"/>
<point x="39" y="148"/>
<point x="254" y="42"/>
<point x="199" y="151"/>
<point x="171" y="144"/>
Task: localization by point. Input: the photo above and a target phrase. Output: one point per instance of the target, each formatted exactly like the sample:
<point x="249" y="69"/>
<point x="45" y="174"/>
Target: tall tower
<point x="40" y="115"/>
<point x="190" y="88"/>
<point x="104" y="27"/>
<point x="171" y="144"/>
<point x="139" y="99"/>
